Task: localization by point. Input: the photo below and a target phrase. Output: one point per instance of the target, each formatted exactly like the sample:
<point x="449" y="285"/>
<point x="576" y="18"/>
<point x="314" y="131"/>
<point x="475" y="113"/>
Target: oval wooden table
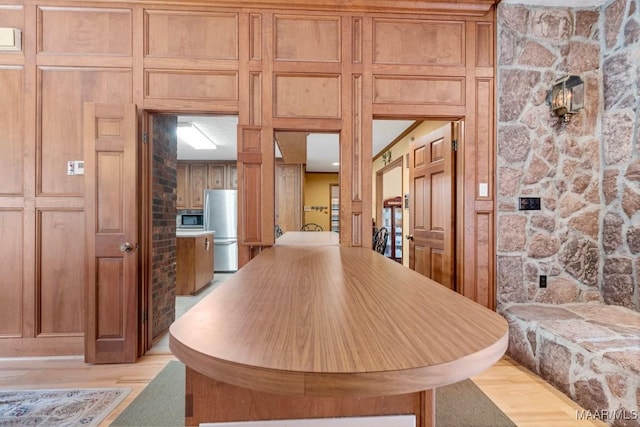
<point x="329" y="331"/>
<point x="309" y="238"/>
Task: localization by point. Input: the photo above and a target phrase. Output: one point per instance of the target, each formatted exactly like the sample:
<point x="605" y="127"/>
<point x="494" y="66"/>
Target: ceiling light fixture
<point x="193" y="135"/>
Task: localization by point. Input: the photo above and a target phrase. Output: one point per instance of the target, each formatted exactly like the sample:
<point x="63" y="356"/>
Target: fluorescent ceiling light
<point x="193" y="135"/>
<point x="335" y="164"/>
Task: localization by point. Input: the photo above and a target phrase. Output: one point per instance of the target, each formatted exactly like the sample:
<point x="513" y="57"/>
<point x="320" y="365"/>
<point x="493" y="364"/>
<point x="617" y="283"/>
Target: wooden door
<point x="432" y="212"/>
<point x="111" y="217"/>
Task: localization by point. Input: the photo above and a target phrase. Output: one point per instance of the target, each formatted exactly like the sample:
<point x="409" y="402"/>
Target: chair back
<point x="311" y="226"/>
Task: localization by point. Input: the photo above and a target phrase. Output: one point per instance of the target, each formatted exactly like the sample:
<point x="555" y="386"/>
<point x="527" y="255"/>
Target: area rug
<point x="58" y="407"/>
<point x="161" y="404"/>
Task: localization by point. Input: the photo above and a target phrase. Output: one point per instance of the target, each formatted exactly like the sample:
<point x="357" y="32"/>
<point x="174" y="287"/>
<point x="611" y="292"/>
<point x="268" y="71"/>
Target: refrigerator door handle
<point x="231" y="242"/>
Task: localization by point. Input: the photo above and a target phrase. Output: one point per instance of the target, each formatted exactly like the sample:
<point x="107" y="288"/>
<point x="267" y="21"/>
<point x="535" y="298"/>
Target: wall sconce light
<point x="566" y="97"/>
<point x="193" y="135"/>
<point x="386" y="157"/>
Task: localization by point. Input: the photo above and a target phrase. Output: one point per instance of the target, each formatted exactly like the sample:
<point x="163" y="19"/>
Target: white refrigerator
<point x="221" y="216"/>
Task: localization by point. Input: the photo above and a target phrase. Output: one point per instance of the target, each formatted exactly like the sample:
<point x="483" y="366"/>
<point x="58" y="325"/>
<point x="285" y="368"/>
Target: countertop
<point x="308" y="238"/>
<point x="193" y="232"/>
<point x="341" y="321"/>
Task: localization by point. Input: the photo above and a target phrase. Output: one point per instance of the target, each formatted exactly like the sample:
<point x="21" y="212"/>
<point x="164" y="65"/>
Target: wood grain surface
<point x="309" y="238"/>
<point x="339" y="321"/>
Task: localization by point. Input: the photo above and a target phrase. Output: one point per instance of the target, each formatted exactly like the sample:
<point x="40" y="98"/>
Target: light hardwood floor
<point x="524" y="397"/>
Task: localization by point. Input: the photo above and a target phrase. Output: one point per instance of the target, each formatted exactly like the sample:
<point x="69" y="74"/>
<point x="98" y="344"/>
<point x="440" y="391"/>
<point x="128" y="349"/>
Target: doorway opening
<point x="180" y="172"/>
<point x="307" y="181"/>
<point x="415" y="197"/>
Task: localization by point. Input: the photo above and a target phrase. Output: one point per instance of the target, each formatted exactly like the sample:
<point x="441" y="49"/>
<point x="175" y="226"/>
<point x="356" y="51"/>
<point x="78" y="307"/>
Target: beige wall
<point x="316" y="193"/>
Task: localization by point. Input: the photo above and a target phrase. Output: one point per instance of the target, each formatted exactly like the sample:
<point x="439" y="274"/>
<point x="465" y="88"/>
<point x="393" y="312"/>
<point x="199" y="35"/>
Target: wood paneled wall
<point x="300" y="65"/>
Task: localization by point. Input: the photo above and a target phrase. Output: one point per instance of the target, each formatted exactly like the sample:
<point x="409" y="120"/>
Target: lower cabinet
<point x="194" y="263"/>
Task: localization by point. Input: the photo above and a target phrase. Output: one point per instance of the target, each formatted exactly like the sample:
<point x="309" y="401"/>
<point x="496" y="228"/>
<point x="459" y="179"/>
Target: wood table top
<point x="308" y="238"/>
<point x="336" y="321"/>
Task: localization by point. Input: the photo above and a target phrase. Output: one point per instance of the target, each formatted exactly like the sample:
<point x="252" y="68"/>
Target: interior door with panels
<point x="111" y="218"/>
<point x="432" y="217"/>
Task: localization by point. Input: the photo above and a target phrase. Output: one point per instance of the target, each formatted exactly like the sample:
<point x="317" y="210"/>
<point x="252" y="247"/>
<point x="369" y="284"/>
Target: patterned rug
<point x="58" y="407"/>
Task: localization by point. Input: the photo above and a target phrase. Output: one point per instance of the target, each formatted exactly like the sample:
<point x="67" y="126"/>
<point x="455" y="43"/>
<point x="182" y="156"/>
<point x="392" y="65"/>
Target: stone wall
<point x="621" y="174"/>
<point x="585" y="238"/>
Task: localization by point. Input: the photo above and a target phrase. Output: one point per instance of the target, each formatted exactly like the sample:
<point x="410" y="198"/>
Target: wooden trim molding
<point x="436" y="7"/>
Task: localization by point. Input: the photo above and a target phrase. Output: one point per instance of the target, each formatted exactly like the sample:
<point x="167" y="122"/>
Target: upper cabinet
<point x="195" y="177"/>
<point x="198" y="183"/>
<point x="232" y="176"/>
<point x="182" y="200"/>
<point x="216" y="176"/>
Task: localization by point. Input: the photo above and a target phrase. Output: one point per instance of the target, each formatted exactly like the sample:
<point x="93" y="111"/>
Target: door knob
<point x="126" y="247"/>
<point x="409" y="236"/>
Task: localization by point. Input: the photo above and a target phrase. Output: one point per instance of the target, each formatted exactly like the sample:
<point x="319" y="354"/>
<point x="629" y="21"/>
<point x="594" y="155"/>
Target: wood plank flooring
<point x="524" y="397"/>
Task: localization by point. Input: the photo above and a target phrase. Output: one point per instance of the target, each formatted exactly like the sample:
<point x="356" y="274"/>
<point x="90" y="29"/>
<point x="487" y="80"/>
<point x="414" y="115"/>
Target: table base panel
<point x="208" y="400"/>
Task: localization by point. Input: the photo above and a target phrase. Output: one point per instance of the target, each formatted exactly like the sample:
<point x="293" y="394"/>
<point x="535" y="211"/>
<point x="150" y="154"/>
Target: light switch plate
<point x="483" y="189"/>
<point x="10" y="39"/>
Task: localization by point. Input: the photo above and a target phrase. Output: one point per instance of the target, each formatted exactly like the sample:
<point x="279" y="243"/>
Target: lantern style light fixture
<point x="566" y="97"/>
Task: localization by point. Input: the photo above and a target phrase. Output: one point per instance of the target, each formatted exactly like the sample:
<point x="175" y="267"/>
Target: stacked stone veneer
<point x="589" y="351"/>
<point x="582" y="332"/>
<point x="586" y="237"/>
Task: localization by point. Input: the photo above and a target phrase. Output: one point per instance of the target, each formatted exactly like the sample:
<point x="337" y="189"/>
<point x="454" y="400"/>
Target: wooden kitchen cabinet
<point x="216" y="176"/>
<point x="182" y="190"/>
<point x="195" y="177"/>
<point x="232" y="176"/>
<point x="198" y="183"/>
<point x="194" y="261"/>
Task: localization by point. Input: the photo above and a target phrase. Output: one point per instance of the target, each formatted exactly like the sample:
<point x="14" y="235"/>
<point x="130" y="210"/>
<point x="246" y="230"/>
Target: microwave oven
<point x="190" y="220"/>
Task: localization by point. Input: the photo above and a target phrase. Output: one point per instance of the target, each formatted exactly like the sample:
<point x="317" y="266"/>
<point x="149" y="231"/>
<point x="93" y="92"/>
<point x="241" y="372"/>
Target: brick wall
<point x="164" y="223"/>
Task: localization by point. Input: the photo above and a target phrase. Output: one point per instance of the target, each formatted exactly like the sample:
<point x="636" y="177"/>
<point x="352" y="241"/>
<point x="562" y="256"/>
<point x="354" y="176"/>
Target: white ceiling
<point x="323" y="149"/>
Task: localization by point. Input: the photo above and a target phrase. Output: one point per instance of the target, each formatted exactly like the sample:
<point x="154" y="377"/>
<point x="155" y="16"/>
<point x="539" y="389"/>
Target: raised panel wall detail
<point x="61" y="122"/>
<point x="61" y="248"/>
<point x="221" y="86"/>
<point x="192" y="35"/>
<point x="484" y="44"/>
<point x="484" y="260"/>
<point x="12" y="16"/>
<point x="417" y="90"/>
<point x="11" y="134"/>
<point x="251" y="207"/>
<point x="307" y="96"/>
<point x="255" y="36"/>
<point x="11" y="278"/>
<point x="85" y="31"/>
<point x="302" y="38"/>
<point x="484" y="135"/>
<point x="409" y="42"/>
